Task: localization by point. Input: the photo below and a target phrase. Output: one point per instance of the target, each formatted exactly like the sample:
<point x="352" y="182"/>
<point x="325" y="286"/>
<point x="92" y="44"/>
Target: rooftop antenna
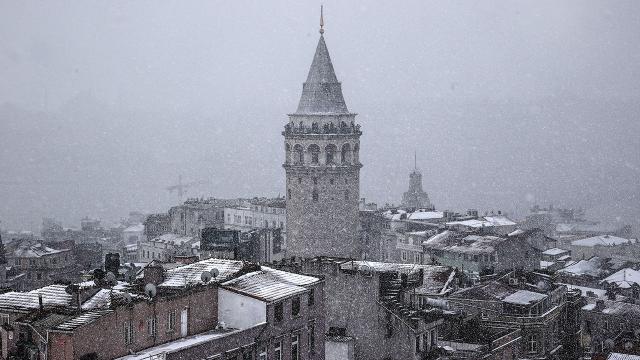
<point x="321" y="21"/>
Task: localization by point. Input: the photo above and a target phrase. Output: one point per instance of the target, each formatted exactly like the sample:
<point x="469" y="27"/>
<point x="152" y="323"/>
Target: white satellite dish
<point x="150" y="290"/>
<point x="206" y="277"/>
<point x="127" y="297"/>
<point x="214" y="273"/>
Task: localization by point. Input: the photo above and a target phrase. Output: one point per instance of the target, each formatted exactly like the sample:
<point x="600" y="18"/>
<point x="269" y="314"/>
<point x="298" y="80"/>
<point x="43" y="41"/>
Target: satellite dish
<point x="128" y="276"/>
<point x="214" y="273"/>
<point x="150" y="290"/>
<point x="206" y="277"/>
<point x="127" y="297"/>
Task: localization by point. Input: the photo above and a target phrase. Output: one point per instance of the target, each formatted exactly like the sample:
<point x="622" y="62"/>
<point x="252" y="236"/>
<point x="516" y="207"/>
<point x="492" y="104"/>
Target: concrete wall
<point x="240" y="311"/>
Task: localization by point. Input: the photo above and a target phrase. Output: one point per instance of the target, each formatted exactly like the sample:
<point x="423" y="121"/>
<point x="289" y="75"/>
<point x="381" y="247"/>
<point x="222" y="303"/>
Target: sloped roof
<point x="52" y="295"/>
<point x="82" y="319"/>
<point x="555" y="251"/>
<point x="190" y="274"/>
<point x="618" y="356"/>
<point x="322" y="93"/>
<point x="603" y="240"/>
<point x="524" y="297"/>
<point x="624" y="278"/>
<point x="591" y="267"/>
<point x="134" y="228"/>
<point x="175" y="239"/>
<point x="270" y="284"/>
<point x="36" y="251"/>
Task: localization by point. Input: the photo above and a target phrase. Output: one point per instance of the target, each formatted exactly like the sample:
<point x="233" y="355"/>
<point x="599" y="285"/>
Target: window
<point x="312" y="298"/>
<point x="299" y="180"/>
<point x="418" y="343"/>
<point x="331" y="181"/>
<point x="312" y="337"/>
<point x="278" y="312"/>
<point x="314" y="196"/>
<point x="247" y="354"/>
<point x="330" y="150"/>
<point x="532" y="344"/>
<point x="315" y="181"/>
<point x="277" y="351"/>
<point x="314" y="150"/>
<point x="262" y="355"/>
<point x="171" y="323"/>
<point x="404" y="256"/>
<point x="128" y="332"/>
<point x="289" y="193"/>
<point x="295" y="306"/>
<point x="4" y="319"/>
<point x="346" y="194"/>
<point x="295" y="354"/>
<point x="39" y="276"/>
<point x="434" y="337"/>
<point x="151" y="326"/>
<point x="425" y="340"/>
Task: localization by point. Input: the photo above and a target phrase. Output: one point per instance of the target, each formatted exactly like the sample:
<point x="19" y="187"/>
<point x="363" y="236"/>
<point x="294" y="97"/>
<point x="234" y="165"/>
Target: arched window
<point x="299" y="154"/>
<point x="345" y="154"/>
<point x="314" y="151"/>
<point x="287" y="151"/>
<point x="314" y="127"/>
<point x="330" y="151"/>
<point x="314" y="196"/>
<point x="289" y="193"/>
<point x="346" y="194"/>
<point x="343" y="127"/>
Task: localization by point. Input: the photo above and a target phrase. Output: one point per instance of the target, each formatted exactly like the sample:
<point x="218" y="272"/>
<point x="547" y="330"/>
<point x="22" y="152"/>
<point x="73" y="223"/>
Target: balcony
<point x="290" y="129"/>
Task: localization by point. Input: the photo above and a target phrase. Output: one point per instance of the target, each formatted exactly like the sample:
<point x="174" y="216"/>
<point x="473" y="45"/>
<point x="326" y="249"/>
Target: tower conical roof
<point x="322" y="93"/>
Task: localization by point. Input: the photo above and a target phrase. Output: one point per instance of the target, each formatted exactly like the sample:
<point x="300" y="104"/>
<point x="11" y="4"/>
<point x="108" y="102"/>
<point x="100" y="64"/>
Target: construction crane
<point x="181" y="188"/>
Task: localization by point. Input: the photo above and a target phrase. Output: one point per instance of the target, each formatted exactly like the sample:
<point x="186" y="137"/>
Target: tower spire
<point x="321" y="21"/>
<point x="415" y="160"/>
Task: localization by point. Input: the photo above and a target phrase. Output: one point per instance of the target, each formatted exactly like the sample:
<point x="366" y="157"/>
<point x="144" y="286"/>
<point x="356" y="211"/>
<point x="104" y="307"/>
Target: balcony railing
<point x="297" y="129"/>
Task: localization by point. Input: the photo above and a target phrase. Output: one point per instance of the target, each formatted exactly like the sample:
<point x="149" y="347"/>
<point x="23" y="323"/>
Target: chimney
<point x="40" y="304"/>
<point x="153" y="274"/>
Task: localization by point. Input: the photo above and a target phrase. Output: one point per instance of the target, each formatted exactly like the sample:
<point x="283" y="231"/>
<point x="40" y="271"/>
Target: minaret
<point x="322" y="167"/>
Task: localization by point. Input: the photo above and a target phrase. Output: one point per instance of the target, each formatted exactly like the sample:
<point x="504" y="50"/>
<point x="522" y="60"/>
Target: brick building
<point x="244" y="311"/>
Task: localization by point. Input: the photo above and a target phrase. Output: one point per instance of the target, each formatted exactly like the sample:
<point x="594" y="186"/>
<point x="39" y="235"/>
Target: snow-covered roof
<point x="619" y="356"/>
<point x="554" y="251"/>
<point x="36" y="251"/>
<point x="269" y="284"/>
<point x="82" y="319"/>
<point x="470" y="244"/>
<point x="380" y="267"/>
<point x="191" y="274"/>
<point x="175" y="239"/>
<point x="524" y="297"/>
<point x="600" y="293"/>
<point x="131" y="247"/>
<point x="624" y="278"/>
<point x="425" y="215"/>
<point x="546" y="264"/>
<point x="134" y="228"/>
<point x="487" y="221"/>
<point x="603" y="240"/>
<point x="52" y="295"/>
<point x="591" y="267"/>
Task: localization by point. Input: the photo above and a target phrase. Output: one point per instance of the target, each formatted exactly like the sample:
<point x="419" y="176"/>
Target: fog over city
<point x="103" y="105"/>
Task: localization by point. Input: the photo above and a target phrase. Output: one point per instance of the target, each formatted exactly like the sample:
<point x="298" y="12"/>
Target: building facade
<point x="322" y="143"/>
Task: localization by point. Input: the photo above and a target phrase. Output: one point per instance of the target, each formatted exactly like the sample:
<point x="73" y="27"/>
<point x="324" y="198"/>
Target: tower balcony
<point x="291" y="129"/>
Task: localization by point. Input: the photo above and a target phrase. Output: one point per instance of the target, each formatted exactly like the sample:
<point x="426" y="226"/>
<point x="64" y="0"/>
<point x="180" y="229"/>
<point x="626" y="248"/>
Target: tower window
<point x="314" y="150"/>
<point x="314" y="196"/>
<point x="346" y="194"/>
<point x="331" y="181"/>
<point x="299" y="154"/>
<point x="330" y="151"/>
<point x="346" y="181"/>
<point x="315" y="181"/>
<point x="299" y="180"/>
<point x="289" y="193"/>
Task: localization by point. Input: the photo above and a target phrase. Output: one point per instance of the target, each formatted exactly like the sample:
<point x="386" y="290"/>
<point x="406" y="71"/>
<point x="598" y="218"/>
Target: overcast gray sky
<point x="104" y="104"/>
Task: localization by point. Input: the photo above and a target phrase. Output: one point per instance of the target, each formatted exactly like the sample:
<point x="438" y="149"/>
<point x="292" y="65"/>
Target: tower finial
<point x="415" y="160"/>
<point x="321" y="21"/>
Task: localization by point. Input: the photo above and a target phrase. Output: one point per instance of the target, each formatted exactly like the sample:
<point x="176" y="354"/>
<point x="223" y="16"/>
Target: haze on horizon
<point x="103" y="105"/>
